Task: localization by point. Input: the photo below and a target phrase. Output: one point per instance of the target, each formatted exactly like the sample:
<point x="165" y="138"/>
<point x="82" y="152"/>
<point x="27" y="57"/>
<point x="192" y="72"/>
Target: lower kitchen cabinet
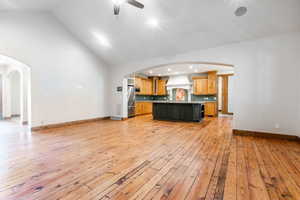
<point x="211" y="109"/>
<point x="142" y="108"/>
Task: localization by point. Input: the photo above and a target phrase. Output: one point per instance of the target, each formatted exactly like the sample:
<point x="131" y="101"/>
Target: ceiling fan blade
<point x="116" y="9"/>
<point x="135" y="3"/>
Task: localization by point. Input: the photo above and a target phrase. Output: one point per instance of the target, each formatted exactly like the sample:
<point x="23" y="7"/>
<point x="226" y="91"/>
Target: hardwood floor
<point x="144" y="159"/>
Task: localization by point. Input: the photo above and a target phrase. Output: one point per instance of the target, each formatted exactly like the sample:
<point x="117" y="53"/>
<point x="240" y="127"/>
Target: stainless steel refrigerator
<point x="131" y="100"/>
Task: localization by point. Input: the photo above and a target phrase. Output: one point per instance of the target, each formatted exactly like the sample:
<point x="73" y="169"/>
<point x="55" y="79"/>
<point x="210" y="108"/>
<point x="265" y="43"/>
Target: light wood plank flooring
<point x="144" y="159"/>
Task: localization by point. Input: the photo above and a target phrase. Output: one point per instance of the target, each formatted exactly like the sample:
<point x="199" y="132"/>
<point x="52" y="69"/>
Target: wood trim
<point x="225" y="95"/>
<point x="143" y="114"/>
<point x="12" y="116"/>
<point x="199" y="77"/>
<point x="38" y="128"/>
<point x="264" y="135"/>
<point x="222" y="75"/>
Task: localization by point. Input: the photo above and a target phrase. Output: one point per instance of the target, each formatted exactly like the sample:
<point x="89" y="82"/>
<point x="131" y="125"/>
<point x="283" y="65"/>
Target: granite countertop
<point x="183" y="102"/>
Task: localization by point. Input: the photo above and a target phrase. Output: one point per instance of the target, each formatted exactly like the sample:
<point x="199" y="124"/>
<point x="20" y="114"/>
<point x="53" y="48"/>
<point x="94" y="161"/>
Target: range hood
<point x="181" y="81"/>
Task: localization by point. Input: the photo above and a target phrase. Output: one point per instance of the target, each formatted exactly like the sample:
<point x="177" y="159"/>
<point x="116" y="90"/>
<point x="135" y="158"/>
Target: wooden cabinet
<point x="211" y="109"/>
<point x="206" y="85"/>
<point x="145" y="86"/>
<point x="138" y="84"/>
<point x="138" y="108"/>
<point x="152" y="86"/>
<point x="142" y="108"/>
<point x="200" y="86"/>
<point x="148" y="87"/>
<point x="147" y="107"/>
<point x="161" y="87"/>
<point x="212" y="83"/>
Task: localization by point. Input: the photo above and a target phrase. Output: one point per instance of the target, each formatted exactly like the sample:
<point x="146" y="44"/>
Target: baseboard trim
<point x="265" y="135"/>
<point x="12" y="116"/>
<point x="59" y="125"/>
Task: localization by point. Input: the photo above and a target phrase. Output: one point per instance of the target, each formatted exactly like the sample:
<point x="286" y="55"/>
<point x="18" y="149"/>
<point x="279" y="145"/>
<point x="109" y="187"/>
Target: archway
<point x="186" y="72"/>
<point x="15" y="90"/>
<point x="14" y="94"/>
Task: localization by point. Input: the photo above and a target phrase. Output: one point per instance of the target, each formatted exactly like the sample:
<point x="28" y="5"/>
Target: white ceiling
<point x="21" y="5"/>
<point x="186" y="68"/>
<point x="184" y="25"/>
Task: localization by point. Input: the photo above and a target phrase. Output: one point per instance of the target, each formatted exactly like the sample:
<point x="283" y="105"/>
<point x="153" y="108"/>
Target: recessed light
<point x="150" y="71"/>
<point x="118" y="2"/>
<point x="152" y="22"/>
<point x="191" y="67"/>
<point x="196" y="70"/>
<point x="102" y="39"/>
<point x="169" y="69"/>
<point x="159" y="74"/>
<point x="240" y="11"/>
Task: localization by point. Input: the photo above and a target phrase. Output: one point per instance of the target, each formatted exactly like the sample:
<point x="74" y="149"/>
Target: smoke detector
<point x="241" y="11"/>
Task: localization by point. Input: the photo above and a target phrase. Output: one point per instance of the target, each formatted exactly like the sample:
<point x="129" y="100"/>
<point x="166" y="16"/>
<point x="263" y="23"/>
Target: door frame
<point x="224" y="98"/>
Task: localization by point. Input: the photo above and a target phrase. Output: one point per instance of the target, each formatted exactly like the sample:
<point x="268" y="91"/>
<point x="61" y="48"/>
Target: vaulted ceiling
<point x="183" y="25"/>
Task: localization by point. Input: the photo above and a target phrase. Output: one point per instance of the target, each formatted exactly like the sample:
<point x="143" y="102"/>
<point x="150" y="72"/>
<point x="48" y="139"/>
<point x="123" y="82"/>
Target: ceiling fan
<point x="118" y="3"/>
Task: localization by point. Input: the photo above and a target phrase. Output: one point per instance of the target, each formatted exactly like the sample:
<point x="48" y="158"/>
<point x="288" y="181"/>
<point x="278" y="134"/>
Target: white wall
<point x="15" y="86"/>
<point x="68" y="82"/>
<point x="1" y="94"/>
<point x="267" y="74"/>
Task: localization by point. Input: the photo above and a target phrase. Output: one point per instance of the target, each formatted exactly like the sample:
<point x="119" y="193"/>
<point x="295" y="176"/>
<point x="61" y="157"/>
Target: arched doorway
<point x="15" y="91"/>
<point x="194" y="81"/>
<point x="14" y="95"/>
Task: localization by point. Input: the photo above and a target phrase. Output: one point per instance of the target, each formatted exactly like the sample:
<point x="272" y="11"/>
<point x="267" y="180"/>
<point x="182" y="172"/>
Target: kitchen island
<point x="178" y="111"/>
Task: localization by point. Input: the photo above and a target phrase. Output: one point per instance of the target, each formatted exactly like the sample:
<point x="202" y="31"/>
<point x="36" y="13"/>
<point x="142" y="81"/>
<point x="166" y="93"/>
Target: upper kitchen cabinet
<point x="145" y="86"/>
<point x="201" y="86"/>
<point x="205" y="85"/>
<point x="161" y="87"/>
<point x="212" y="82"/>
<point x="148" y="85"/>
<point x="138" y="84"/>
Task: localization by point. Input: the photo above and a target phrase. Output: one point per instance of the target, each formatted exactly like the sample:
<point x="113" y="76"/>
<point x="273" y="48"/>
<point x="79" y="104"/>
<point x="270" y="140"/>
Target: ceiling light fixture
<point x="118" y="3"/>
<point x="150" y="71"/>
<point x="191" y="67"/>
<point x="102" y="39"/>
<point x="152" y="22"/>
<point x="169" y="69"/>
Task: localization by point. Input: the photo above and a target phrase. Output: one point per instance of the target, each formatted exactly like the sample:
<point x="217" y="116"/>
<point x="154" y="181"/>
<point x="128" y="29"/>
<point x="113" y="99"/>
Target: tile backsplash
<point x="163" y="98"/>
<point x="204" y="98"/>
<point x="150" y="98"/>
